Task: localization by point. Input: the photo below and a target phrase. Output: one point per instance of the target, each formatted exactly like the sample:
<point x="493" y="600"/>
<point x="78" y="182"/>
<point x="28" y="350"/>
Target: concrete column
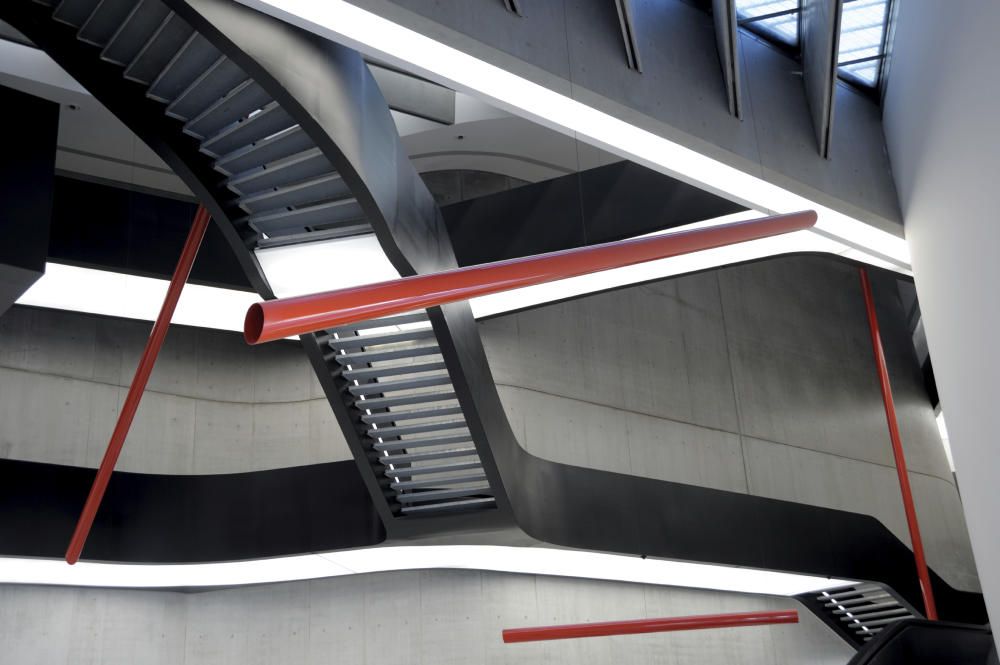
<point x="941" y="131"/>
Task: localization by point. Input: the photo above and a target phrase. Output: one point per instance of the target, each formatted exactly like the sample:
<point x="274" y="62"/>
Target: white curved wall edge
<point x="378" y="37"/>
<point x="526" y="560"/>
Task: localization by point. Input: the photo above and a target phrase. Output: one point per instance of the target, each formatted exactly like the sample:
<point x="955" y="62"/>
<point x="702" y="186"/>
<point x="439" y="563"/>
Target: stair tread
<point x="435" y="482"/>
<point x="410" y="458"/>
<point x="382" y="338"/>
<point x="416" y="414"/>
<point x="420" y="497"/>
<point x="372" y="373"/>
<point x="406" y="444"/>
<point x="377" y="403"/>
<point x="403" y="430"/>
<point x="394" y="354"/>
<point x="450" y="505"/>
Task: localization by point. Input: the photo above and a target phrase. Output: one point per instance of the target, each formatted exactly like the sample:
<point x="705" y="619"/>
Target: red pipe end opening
<point x="253" y="324"/>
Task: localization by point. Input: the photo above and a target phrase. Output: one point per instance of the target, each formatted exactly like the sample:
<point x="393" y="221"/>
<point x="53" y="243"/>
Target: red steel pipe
<point x="142" y="372"/>
<point x="635" y="627"/>
<point x="276" y="319"/>
<point x="897" y="449"/>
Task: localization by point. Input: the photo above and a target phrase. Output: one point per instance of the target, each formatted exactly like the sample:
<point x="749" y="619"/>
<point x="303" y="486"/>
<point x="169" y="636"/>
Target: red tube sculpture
<point x="897" y="449"/>
<point x="142" y="372"/>
<point x="635" y="627"/>
<point x="276" y="319"/>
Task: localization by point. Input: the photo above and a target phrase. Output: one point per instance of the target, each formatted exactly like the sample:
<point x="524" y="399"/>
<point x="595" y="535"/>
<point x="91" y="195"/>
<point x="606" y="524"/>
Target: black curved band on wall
<point x="150" y="518"/>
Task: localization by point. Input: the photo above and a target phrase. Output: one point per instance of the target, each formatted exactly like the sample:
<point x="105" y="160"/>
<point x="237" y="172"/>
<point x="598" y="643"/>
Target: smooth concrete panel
<point x="856" y="178"/>
<point x="820" y="479"/>
<point x="677" y="380"/>
<point x="425" y="617"/>
<point x="596" y="436"/>
<point x="213" y="404"/>
<point x="655" y="349"/>
<point x="679" y="54"/>
<point x="803" y="366"/>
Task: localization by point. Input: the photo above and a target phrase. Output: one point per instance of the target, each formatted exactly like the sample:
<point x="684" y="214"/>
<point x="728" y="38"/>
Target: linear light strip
<point x="376" y="36"/>
<point x="522" y="560"/>
<point x="117" y="294"/>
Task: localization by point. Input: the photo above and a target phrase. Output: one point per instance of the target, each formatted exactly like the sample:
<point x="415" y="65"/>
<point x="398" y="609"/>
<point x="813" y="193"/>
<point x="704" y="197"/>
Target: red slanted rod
<point x="930" y="609"/>
<point x="276" y="319"/>
<point x="635" y="627"/>
<point x="142" y="372"/>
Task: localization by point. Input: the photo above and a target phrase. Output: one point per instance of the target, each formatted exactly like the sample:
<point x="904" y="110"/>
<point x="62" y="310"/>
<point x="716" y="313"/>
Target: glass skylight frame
<point x="863" y="38"/>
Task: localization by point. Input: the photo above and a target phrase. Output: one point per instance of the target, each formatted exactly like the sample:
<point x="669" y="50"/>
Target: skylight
<point x="862" y="32"/>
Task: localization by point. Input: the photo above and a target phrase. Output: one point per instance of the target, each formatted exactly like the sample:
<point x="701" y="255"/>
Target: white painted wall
<point x="940" y="117"/>
<point x="432" y="617"/>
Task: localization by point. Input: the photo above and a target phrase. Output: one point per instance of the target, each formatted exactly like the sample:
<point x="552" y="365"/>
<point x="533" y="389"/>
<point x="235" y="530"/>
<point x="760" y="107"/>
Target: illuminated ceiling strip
<point x="378" y="37"/>
<point x="129" y="296"/>
<point x="522" y="560"/>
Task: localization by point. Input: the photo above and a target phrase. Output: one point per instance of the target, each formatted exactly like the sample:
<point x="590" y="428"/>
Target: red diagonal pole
<point x="275" y="319"/>
<point x="897" y="449"/>
<point x="638" y="626"/>
<point x="142" y="372"/>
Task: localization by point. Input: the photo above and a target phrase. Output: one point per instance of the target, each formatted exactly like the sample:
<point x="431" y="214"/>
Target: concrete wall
<point x="213" y="404"/>
<point x="757" y="378"/>
<point x="575" y="48"/>
<point x="941" y="130"/>
<point x="437" y="617"/>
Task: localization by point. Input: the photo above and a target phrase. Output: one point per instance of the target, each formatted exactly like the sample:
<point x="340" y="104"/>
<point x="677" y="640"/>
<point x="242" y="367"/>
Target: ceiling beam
<point x="513" y="6"/>
<point x="820" y="37"/>
<point x="727" y="40"/>
<point x="628" y="34"/>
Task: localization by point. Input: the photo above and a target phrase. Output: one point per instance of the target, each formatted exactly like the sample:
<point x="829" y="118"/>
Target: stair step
<point x="883" y="622"/>
<point x="242" y="100"/>
<point x="319" y="215"/>
<point x="449" y="506"/>
<point x="434" y="495"/>
<point x="135" y="31"/>
<point x="390" y="446"/>
<point x="397" y="416"/>
<point x="194" y="59"/>
<point x="387" y="338"/>
<point x="264" y="177"/>
<point x="326" y="187"/>
<point x="876" y="606"/>
<point x="267" y="122"/>
<point x="74" y="12"/>
<point x="278" y="146"/>
<point x="417" y="484"/>
<point x="364" y="357"/>
<point x="423" y="428"/>
<point x="411" y="471"/>
<point x="860" y="601"/>
<point x="412" y="458"/>
<point x="377" y="403"/>
<point x="206" y="89"/>
<point x="104" y="21"/>
<point x="159" y="50"/>
<point x="385" y="322"/>
<point x="851" y="592"/>
<point x="372" y="373"/>
<point x="865" y="618"/>
<point x="384" y="387"/>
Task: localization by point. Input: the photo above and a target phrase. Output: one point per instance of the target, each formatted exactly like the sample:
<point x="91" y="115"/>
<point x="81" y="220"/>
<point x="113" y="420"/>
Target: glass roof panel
<point x="780" y="18"/>
<point x="862" y="31"/>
